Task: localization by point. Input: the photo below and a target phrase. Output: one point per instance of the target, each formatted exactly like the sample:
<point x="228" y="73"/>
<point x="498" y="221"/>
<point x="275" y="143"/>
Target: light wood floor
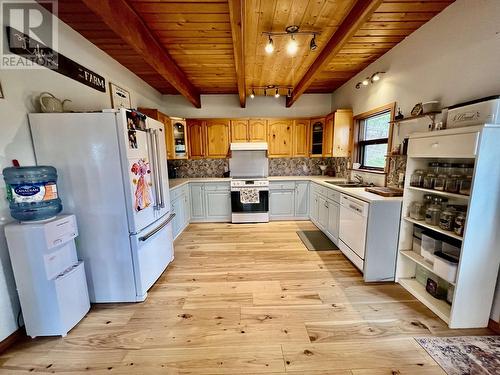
<point x="247" y="299"/>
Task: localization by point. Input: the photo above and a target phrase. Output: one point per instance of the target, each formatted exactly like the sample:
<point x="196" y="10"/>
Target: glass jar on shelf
<point x="417" y="211"/>
<point x="459" y="224"/>
<point x="429" y="179"/>
<point x="451" y="184"/>
<point x="440" y="181"/>
<point x="465" y="185"/>
<point x="432" y="214"/>
<point x="434" y="167"/>
<point x="447" y="219"/>
<point x="428" y="200"/>
<point x="417" y="178"/>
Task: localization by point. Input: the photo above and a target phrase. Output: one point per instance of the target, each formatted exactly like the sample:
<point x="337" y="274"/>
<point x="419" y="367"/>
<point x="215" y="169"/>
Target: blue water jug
<point x="32" y="192"/>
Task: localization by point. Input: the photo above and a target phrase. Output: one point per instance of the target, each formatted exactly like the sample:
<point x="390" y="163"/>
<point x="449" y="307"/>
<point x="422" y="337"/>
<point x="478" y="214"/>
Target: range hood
<point x="249" y="146"/>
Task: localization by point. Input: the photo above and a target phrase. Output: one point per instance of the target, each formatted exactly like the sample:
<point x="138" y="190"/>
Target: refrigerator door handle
<point x="147" y="236"/>
<point x="160" y="172"/>
<point x="152" y="156"/>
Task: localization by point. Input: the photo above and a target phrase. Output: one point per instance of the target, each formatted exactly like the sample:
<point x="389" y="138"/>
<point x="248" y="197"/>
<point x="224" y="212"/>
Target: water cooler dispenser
<point x="50" y="280"/>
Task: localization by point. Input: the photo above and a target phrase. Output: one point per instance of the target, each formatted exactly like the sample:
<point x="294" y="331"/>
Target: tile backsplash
<point x="277" y="167"/>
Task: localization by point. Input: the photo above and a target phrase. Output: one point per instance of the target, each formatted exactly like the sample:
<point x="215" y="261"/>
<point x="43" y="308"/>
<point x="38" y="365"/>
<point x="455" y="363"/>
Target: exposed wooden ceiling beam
<point x="124" y="21"/>
<point x="358" y="15"/>
<point x="236" y="14"/>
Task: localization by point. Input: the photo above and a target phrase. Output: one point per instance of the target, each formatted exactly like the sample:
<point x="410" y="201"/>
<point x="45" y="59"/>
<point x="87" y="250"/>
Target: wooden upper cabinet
<point x="301" y="138"/>
<point x="239" y="130"/>
<point x="257" y="130"/>
<point x="317" y="134"/>
<point x="328" y="136"/>
<point x="217" y="138"/>
<point x="280" y="138"/>
<point x="342" y="132"/>
<point x="196" y="139"/>
<point x="167" y="126"/>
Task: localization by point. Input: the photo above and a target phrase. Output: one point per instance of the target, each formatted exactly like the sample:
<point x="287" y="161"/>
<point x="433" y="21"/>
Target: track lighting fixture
<point x="269" y="46"/>
<point x="375" y="77"/>
<point x="292" y="45"/>
<point x="312" y="45"/>
<point x="274" y="90"/>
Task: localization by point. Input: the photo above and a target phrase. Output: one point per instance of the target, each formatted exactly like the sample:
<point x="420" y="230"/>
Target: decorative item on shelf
<point x="120" y="98"/>
<point x="399" y="115"/>
<point x="50" y="104"/>
<point x="277" y="90"/>
<point x="375" y="77"/>
<point x="292" y="47"/>
<point x="417" y="110"/>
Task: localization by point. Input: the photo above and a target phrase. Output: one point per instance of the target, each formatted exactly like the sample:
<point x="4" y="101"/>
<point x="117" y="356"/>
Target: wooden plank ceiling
<point x="197" y="34"/>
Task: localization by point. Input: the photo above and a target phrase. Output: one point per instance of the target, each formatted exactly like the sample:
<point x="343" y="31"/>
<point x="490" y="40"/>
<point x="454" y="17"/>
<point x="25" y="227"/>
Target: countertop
<point x="359" y="193"/>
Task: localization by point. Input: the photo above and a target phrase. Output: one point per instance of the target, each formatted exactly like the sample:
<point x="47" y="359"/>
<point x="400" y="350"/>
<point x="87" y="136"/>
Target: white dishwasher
<point x="352" y="231"/>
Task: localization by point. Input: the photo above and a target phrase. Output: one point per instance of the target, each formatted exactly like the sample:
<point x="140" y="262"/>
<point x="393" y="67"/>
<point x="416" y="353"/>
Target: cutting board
<point x="385" y="191"/>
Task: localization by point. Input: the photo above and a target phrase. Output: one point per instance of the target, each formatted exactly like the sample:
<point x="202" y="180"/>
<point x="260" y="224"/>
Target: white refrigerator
<point x="112" y="174"/>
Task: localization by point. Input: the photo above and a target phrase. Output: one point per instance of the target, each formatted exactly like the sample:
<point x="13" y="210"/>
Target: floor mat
<point x="466" y="355"/>
<point x="315" y="240"/>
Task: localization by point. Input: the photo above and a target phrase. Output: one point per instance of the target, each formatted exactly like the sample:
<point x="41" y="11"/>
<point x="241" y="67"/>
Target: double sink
<point x="348" y="184"/>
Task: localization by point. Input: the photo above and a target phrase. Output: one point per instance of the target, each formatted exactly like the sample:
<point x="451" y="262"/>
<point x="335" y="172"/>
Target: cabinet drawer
<point x="334" y="195"/>
<point x="445" y="146"/>
<point x="282" y="185"/>
<point x="217" y="187"/>
<point x="177" y="192"/>
<point x="318" y="189"/>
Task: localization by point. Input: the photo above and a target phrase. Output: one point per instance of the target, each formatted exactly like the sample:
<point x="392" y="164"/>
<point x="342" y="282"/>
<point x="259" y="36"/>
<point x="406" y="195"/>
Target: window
<point x="373" y="140"/>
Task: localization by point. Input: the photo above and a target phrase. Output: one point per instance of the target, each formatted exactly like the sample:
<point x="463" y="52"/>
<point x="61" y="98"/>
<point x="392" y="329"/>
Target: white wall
<point x="453" y="58"/>
<point x="20" y="87"/>
<point x="226" y="106"/>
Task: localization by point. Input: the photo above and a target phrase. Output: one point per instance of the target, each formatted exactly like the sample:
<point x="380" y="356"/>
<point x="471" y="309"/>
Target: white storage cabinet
<point x="477" y="270"/>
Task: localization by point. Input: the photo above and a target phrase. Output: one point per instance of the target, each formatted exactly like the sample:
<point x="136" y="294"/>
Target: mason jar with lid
<point x="432" y="214"/>
<point x="428" y="200"/>
<point x="465" y="185"/>
<point x="447" y="219"/>
<point x="451" y="184"/>
<point x="417" y="211"/>
<point x="440" y="181"/>
<point x="417" y="178"/>
<point x="459" y="224"/>
<point x="434" y="167"/>
<point x="429" y="180"/>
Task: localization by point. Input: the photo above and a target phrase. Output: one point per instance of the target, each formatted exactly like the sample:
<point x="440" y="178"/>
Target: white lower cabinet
<point x="324" y="211"/>
<point x="218" y="202"/>
<point x="289" y="200"/>
<point x="181" y="208"/>
<point x="210" y="202"/>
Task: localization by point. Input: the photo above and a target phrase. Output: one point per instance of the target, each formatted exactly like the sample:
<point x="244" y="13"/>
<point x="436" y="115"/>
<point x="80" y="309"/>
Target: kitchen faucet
<point x="358" y="178"/>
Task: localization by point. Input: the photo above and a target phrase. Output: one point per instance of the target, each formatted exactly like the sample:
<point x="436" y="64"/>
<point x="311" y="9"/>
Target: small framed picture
<point x="417" y="110"/>
<point x="120" y="98"/>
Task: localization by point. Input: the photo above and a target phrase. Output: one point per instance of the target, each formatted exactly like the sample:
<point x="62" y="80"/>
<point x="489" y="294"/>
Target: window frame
<point x="359" y="144"/>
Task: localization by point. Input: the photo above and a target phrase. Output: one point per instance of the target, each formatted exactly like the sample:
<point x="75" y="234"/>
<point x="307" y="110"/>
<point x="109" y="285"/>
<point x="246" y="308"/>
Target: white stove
<point x="250" y="200"/>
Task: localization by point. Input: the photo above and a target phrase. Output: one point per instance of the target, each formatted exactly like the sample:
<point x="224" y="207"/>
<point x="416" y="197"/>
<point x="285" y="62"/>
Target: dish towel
<point x="249" y="196"/>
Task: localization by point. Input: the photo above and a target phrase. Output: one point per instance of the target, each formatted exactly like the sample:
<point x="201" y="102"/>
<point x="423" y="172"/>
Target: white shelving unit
<point x="479" y="261"/>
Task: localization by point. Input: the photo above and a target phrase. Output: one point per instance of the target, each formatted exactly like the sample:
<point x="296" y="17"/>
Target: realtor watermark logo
<point x="29" y="34"/>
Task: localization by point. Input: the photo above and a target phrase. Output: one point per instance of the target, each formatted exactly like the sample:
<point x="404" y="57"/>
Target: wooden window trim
<point x="361" y="116"/>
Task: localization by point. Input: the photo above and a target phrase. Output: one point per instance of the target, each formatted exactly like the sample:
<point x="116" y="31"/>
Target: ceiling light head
<point x="376" y="76"/>
<point x="289" y="94"/>
<point x="312" y="45"/>
<point x="269" y="46"/>
<point x="265" y="92"/>
<point x="358" y="85"/>
<point x="366" y="81"/>
<point x="292" y="46"/>
<point x="252" y="95"/>
<point x="277" y="94"/>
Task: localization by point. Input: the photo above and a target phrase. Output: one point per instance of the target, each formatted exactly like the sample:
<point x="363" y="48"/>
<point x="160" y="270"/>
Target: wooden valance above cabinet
<point x="328" y="136"/>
